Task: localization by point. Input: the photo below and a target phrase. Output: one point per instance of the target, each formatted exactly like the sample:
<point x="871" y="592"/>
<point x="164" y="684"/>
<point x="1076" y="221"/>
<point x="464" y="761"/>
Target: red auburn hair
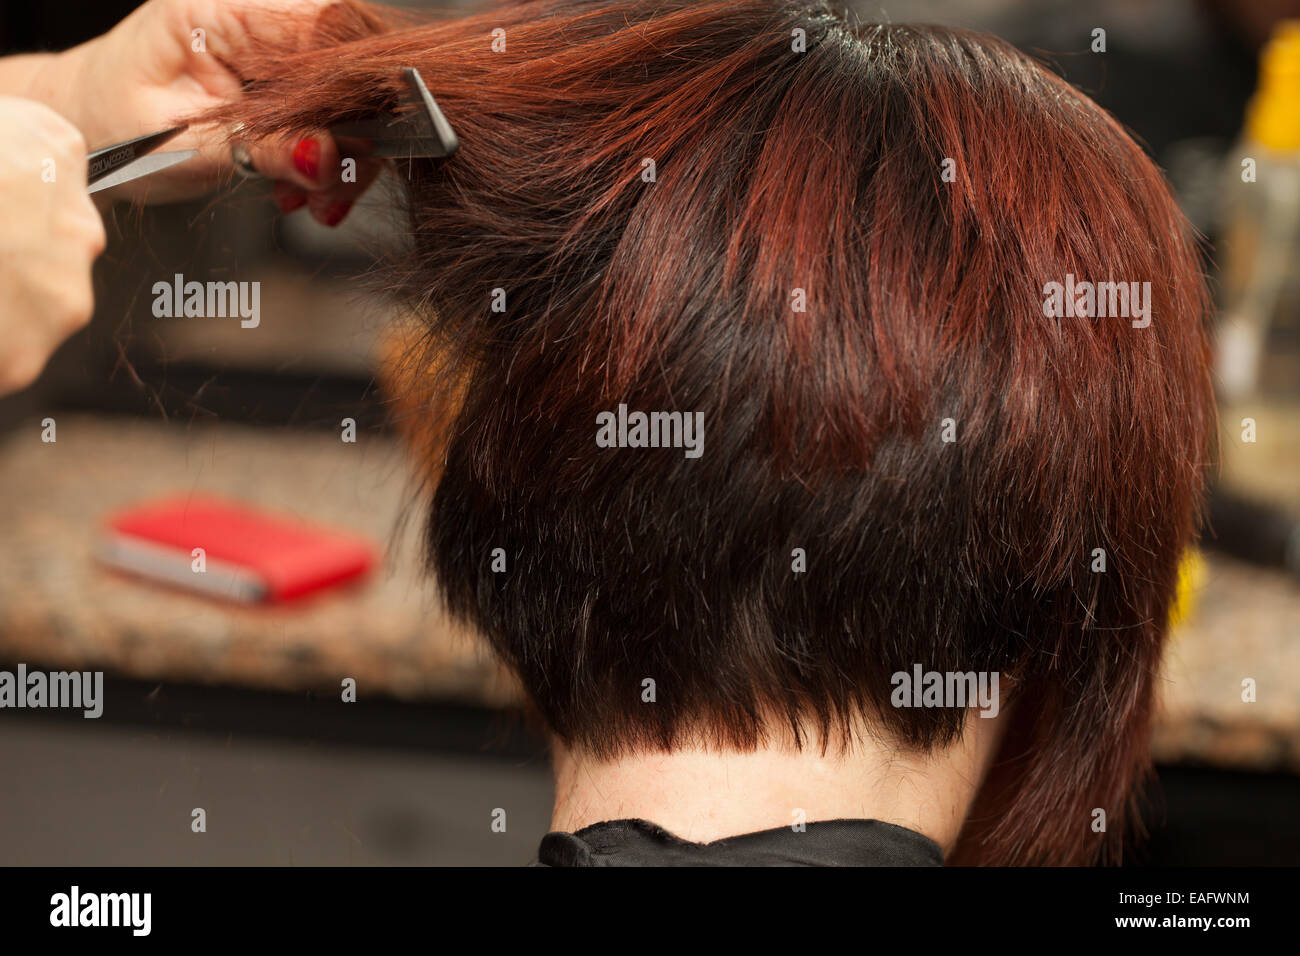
<point x="845" y="243"/>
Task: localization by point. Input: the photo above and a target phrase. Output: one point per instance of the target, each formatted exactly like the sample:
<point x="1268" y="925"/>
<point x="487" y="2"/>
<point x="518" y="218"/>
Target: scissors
<point x="123" y="162"/>
<point x="419" y="130"/>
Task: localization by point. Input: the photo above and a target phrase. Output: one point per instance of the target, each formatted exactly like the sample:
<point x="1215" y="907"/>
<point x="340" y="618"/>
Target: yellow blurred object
<point x="1273" y="116"/>
<point x="1192" y="574"/>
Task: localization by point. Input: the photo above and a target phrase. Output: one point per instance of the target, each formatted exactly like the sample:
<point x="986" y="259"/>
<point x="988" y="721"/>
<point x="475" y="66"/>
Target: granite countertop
<point x="1245" y="624"/>
<point x="60" y="609"/>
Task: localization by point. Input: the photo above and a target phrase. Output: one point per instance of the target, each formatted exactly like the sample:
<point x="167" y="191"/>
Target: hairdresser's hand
<point x="50" y="234"/>
<point x="153" y="68"/>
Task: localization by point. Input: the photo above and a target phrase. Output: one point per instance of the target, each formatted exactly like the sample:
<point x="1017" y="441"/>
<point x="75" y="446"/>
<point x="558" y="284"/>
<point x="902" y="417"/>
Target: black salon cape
<point x="824" y="843"/>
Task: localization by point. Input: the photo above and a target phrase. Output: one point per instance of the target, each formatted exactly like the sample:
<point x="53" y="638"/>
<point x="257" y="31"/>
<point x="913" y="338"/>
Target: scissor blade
<point x="104" y="161"/>
<point x="144" y="166"/>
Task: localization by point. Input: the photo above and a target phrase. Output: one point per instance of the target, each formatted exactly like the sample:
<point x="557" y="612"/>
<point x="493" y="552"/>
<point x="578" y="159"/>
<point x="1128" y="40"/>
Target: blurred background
<point x="237" y="710"/>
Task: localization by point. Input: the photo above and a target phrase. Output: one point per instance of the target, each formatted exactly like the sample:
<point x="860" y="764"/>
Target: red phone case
<point x="248" y="555"/>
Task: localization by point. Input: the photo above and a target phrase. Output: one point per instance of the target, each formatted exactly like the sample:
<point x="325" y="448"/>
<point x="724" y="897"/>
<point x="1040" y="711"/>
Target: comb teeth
<point x="421" y="131"/>
<point x="439" y="129"/>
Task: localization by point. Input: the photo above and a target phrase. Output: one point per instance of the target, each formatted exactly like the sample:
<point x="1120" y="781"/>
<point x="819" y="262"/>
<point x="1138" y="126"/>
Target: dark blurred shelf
<point x="374" y="720"/>
<point x="189" y="391"/>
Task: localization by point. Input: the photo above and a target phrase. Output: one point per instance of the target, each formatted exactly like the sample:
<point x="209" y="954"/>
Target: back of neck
<point x="703" y="794"/>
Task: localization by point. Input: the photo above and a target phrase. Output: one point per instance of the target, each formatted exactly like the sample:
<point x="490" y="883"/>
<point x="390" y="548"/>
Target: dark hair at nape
<point x="797" y="162"/>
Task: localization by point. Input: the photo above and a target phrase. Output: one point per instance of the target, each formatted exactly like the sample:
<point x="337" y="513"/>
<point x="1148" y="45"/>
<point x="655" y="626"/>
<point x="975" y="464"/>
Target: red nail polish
<point x="306" y="158"/>
<point x="335" y="213"/>
<point x="291" y="202"/>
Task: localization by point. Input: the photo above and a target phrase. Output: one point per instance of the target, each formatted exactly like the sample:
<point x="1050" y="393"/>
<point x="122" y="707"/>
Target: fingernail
<point x="291" y="202"/>
<point x="306" y="158"/>
<point x="333" y="215"/>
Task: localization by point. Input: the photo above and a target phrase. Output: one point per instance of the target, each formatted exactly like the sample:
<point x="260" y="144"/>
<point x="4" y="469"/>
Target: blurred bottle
<point x="1260" y="232"/>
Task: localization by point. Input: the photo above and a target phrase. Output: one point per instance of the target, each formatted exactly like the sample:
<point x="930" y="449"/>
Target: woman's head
<point x="834" y="247"/>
